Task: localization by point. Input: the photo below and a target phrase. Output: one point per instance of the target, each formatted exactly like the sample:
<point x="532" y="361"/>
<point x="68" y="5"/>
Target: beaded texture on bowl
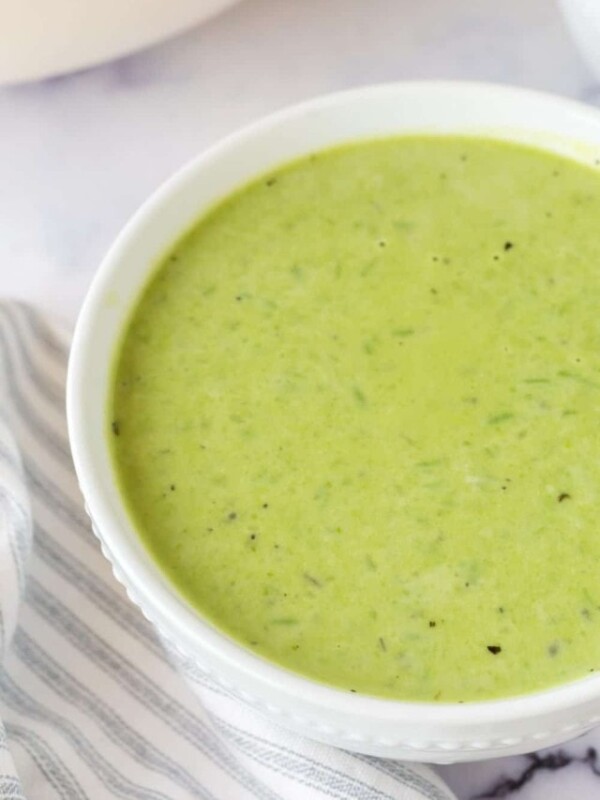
<point x="318" y="730"/>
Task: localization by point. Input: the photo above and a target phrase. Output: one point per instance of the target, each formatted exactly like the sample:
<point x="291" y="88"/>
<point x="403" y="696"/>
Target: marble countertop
<point x="80" y="153"/>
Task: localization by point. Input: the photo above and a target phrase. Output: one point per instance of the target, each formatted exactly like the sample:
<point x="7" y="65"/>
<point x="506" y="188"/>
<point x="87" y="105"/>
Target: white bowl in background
<point x="583" y="19"/>
<point x="43" y="38"/>
<point x="418" y="731"/>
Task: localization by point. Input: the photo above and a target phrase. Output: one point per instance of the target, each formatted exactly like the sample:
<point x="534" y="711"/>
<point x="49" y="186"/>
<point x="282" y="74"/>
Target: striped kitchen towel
<point x="91" y="705"/>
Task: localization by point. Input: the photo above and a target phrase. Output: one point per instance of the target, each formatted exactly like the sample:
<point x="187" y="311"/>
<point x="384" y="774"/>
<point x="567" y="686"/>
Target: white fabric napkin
<point x="91" y="705"/>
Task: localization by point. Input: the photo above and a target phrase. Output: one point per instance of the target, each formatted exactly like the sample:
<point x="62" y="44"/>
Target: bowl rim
<point x="135" y="573"/>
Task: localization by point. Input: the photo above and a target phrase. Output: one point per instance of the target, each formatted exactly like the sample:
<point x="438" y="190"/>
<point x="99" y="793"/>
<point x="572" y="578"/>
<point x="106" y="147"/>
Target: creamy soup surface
<point x="356" y="413"/>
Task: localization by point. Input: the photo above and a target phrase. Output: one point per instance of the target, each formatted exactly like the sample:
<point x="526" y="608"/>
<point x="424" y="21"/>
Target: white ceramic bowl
<point x="42" y="38"/>
<point x="417" y="731"/>
<point x="583" y="19"/>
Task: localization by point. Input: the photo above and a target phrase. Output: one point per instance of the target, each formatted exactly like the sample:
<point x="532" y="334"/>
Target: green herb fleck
<point x="312" y="580"/>
<point x="498" y="418"/>
<point x="565" y="373"/>
<point x="359" y="395"/>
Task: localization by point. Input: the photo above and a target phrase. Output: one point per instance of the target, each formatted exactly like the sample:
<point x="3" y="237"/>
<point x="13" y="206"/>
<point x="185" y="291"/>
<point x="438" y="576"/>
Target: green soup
<point x="355" y="418"/>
